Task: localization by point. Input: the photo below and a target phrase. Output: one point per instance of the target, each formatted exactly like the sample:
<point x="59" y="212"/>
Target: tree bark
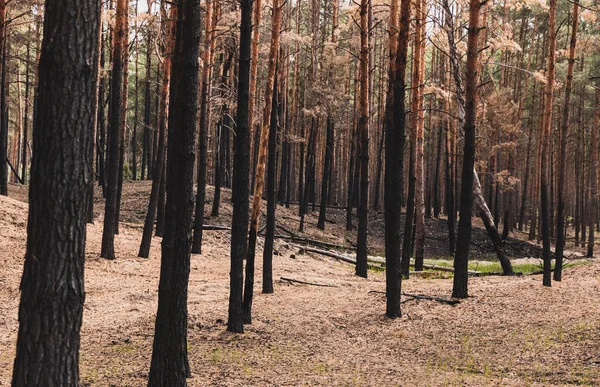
<point x="159" y="165"/>
<point x="204" y="126"/>
<point x="170" y="366"/>
<point x="116" y="130"/>
<point x="545" y="141"/>
<point x="52" y="286"/>
<point x="327" y="164"/>
<point x="3" y="105"/>
<point x="593" y="174"/>
<point x="267" y="277"/>
<point x="363" y="130"/>
<point x="241" y="172"/>
<point x="395" y="123"/>
<point x="270" y="89"/>
<point x="461" y="259"/>
<point x="562" y="154"/>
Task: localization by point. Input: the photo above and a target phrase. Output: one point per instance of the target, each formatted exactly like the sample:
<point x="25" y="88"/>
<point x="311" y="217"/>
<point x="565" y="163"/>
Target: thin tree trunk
<point x="159" y="166"/>
<point x="223" y="140"/>
<point x="560" y="215"/>
<point x="419" y="128"/>
<point x="363" y="130"/>
<point x="116" y="130"/>
<point x="241" y="172"/>
<point x="3" y="105"/>
<point x="270" y="92"/>
<point x="593" y="175"/>
<point x="327" y="164"/>
<point x="204" y="126"/>
<point x="545" y="141"/>
<point x="267" y="277"/>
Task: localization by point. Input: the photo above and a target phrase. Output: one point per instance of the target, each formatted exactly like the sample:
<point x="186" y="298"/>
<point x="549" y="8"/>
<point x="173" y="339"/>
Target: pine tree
<point x="169" y="366"/>
<point x="52" y="287"/>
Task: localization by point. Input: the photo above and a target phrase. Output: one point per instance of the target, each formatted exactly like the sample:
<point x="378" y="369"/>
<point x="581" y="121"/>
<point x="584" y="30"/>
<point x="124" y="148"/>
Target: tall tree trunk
<point x="327" y="164"/>
<point x="257" y="14"/>
<point x="3" y="105"/>
<point x="160" y="159"/>
<point x="461" y="259"/>
<point x="450" y="209"/>
<point x="270" y="89"/>
<point x="52" y="286"/>
<point x="204" y="126"/>
<point x="267" y="277"/>
<point x="419" y="128"/>
<point x="352" y="171"/>
<point x="26" y="115"/>
<point x="593" y="174"/>
<point x="136" y="98"/>
<point x="170" y="366"/>
<point x="223" y="140"/>
<point x="363" y="130"/>
<point x="116" y="130"/>
<point x="562" y="154"/>
<point x="147" y="142"/>
<point x="407" y="243"/>
<point x="241" y="172"/>
<point x="545" y="142"/>
<point x="101" y="168"/>
<point x="436" y="174"/>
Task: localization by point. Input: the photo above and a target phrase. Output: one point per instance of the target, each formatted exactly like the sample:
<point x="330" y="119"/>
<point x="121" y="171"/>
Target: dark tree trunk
<point x="101" y="145"/>
<point x="562" y="154"/>
<point x="26" y="118"/>
<point x="461" y="260"/>
<point x="285" y="159"/>
<point x="546" y="146"/>
<point x="408" y="240"/>
<point x="301" y="178"/>
<point x="52" y="286"/>
<point x="593" y="160"/>
<point x="147" y="147"/>
<point x="379" y="170"/>
<point x="203" y="137"/>
<point x="255" y="153"/>
<point x="223" y="140"/>
<point x="160" y="211"/>
<point x="395" y="124"/>
<point x="436" y="176"/>
<point x="450" y="210"/>
<point x="116" y="131"/>
<point x="326" y="172"/>
<point x="241" y="171"/>
<point x="3" y="105"/>
<point x="170" y="365"/>
<point x="351" y="172"/>
<point x="363" y="134"/>
<point x="159" y="165"/>
<point x="267" y="277"/>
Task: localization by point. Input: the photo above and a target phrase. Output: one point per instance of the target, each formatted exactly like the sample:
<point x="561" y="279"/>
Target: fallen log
<point x="376" y="260"/>
<point x="422" y="297"/>
<point x="215" y="227"/>
<point x="307" y="283"/>
<point x="314" y="242"/>
<point x="431" y="298"/>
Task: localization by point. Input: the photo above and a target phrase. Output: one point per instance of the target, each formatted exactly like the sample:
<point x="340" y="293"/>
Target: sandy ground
<point x="510" y="332"/>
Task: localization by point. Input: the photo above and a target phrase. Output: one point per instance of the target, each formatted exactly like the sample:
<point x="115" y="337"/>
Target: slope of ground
<point x="511" y="331"/>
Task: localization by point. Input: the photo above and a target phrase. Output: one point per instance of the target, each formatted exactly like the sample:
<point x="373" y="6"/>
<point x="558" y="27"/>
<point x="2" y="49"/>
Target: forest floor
<point x="511" y="331"/>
